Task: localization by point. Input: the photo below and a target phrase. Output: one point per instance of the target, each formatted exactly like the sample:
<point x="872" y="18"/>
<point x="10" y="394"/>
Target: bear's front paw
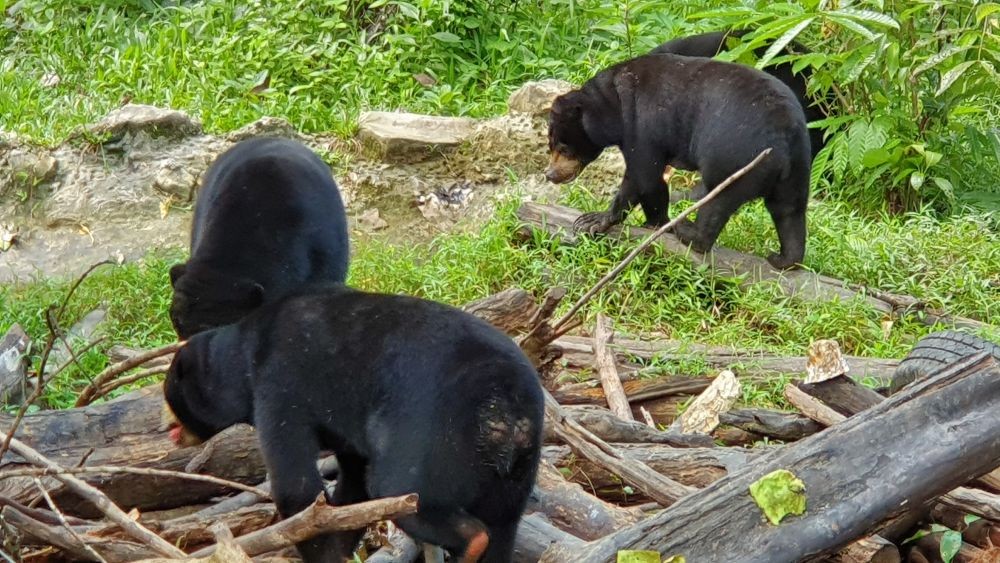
<point x="685" y="231"/>
<point x="593" y="223"/>
<point x="779" y="262"/>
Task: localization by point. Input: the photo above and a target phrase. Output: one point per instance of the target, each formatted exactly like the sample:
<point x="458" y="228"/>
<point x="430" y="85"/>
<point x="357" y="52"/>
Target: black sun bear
<point x="693" y="114"/>
<point x="412" y="396"/>
<point x="712" y="43"/>
<point x="268" y="218"/>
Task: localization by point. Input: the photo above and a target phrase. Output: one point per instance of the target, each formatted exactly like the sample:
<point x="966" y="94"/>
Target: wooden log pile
<point x="872" y="467"/>
<point x="635" y="458"/>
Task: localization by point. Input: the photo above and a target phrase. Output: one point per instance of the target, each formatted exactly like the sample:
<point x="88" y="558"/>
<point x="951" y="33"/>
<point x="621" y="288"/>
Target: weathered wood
<point x="535" y="534"/>
<point x="785" y="426"/>
<point x="694" y="467"/>
<point x="566" y="505"/>
<point x="578" y="353"/>
<point x="13" y="365"/>
<point x="811" y="406"/>
<point x="320" y="518"/>
<point x="702" y="414"/>
<point x="636" y="390"/>
<point x="511" y="310"/>
<point x="92" y="496"/>
<point x="40" y="533"/>
<point x="852" y="477"/>
<point x="974" y="501"/>
<point x="872" y="549"/>
<point x="981" y="533"/>
<point x="659" y="488"/>
<point x="610" y="428"/>
<point x="928" y="548"/>
<point x="611" y="384"/>
<point x="557" y="219"/>
<point x="842" y="394"/>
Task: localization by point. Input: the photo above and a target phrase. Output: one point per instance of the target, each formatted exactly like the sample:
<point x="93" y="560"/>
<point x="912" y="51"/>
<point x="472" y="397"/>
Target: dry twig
<point x="97" y="498"/>
<point x="65" y="524"/>
<point x="52" y="321"/>
<point x="91" y="469"/>
<point x="649" y="240"/>
<point x="92" y="390"/>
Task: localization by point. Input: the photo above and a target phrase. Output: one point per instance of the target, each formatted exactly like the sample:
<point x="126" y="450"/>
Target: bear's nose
<point x="551" y="175"/>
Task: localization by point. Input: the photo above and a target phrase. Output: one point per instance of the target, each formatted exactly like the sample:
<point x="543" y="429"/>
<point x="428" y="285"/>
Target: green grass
<point x="657" y="293"/>
<point x="207" y="57"/>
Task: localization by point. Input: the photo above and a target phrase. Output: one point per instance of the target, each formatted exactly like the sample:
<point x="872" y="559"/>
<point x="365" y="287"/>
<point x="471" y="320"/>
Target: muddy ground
<point x="125" y="186"/>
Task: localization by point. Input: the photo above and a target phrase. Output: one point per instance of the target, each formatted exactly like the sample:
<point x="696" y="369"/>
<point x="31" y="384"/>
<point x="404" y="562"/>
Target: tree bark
<point x="610" y="428"/>
<point x="842" y="394"/>
<point x="559" y="219"/>
<point x="578" y="353"/>
<point x="604" y="359"/>
<point x="851" y="475"/>
<point x="636" y="390"/>
<point x="785" y="426"/>
<point x="566" y="505"/>
<point x="535" y="534"/>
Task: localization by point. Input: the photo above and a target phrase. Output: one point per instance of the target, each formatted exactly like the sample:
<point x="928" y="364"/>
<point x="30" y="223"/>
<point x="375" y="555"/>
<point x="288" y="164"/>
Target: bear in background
<point x="711" y="44"/>
<point x="268" y="218"/>
<point x="411" y="395"/>
<point x="691" y="113"/>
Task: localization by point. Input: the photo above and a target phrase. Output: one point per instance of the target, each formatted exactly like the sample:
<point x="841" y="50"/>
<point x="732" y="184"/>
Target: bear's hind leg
<point x="790" y="222"/>
<point x="465" y="537"/>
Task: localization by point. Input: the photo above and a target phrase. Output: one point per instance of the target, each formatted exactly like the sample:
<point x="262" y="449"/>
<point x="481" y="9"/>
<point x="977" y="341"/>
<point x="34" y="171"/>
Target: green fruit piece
<point x="779" y="494"/>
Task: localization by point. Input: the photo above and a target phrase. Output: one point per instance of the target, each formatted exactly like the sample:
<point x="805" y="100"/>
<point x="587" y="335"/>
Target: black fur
<point x="411" y="395"/>
<point x="269" y="218"/>
<point x="694" y="114"/>
<point x="713" y="43"/>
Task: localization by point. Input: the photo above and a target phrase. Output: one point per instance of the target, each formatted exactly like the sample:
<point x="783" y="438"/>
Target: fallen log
<point x="535" y="534"/>
<point x="872" y="549"/>
<point x="610" y="428"/>
<point x="851" y="476"/>
<point x="578" y="351"/>
<point x="694" y="467"/>
<point x="566" y="505"/>
<point x="611" y="383"/>
<point x="785" y="426"/>
<point x="981" y="533"/>
<point x="321" y="518"/>
<point x="751" y="269"/>
<point x="399" y="548"/>
<point x="112" y="550"/>
<point x="558" y="220"/>
<point x="636" y="390"/>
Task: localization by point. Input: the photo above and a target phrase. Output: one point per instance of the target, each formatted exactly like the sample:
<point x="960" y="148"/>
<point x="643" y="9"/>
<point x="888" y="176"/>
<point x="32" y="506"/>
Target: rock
<point x="408" y="137"/>
<point x="50" y="80"/>
<point x="370" y="220"/>
<point x="135" y="118"/>
<point x="90" y="327"/>
<point x="13" y="364"/>
<point x="8" y="236"/>
<point x="30" y="167"/>
<point x="536" y="97"/>
<point x="174" y="179"/>
<point x="265" y="127"/>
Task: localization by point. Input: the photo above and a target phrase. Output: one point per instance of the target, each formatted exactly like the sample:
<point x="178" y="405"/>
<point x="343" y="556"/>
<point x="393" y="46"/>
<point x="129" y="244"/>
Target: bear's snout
<point x="562" y="168"/>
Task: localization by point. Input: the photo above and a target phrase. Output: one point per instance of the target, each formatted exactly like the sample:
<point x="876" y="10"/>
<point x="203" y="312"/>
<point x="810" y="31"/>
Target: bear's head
<point x="570" y="148"/>
<point x="205" y="298"/>
<point x="205" y="392"/>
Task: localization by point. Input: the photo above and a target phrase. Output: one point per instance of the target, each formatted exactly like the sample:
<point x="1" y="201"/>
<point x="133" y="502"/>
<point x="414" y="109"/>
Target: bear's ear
<point x="569" y="104"/>
<point x="176" y="272"/>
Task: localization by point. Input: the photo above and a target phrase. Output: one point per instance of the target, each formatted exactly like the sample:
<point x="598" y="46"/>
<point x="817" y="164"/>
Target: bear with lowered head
<point x="412" y="396"/>
<point x="268" y="218"/>
<point x="693" y="114"/>
<point x="712" y="43"/>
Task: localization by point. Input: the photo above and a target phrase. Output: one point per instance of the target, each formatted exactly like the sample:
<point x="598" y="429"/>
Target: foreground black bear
<point x="713" y="43"/>
<point x="269" y="217"/>
<point x="694" y="114"/>
<point x="413" y="397"/>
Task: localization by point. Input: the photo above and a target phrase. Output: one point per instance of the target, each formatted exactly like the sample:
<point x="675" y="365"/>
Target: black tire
<point x="935" y="351"/>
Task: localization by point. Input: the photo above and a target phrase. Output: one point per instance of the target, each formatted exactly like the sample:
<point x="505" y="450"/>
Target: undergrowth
<point x="658" y="294"/>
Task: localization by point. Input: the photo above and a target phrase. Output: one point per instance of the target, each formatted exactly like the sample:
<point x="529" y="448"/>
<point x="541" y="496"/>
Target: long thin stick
<point x="98" y="499"/>
<point x="649" y="240"/>
<point x="91" y="469"/>
<point x="88" y="394"/>
<point x="52" y="321"/>
<point x="65" y="524"/>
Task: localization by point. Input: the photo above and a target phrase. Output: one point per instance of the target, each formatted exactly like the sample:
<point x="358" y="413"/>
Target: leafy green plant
<point x="910" y="85"/>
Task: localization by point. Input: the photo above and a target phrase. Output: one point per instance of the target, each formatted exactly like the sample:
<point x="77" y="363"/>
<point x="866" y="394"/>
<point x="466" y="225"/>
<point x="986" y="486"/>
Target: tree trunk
<point x="852" y="477"/>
